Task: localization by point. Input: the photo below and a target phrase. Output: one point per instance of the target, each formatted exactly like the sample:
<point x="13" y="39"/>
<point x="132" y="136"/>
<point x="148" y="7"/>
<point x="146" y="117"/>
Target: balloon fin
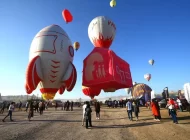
<point x="33" y="74"/>
<point x="70" y="77"/>
<point x="61" y="89"/>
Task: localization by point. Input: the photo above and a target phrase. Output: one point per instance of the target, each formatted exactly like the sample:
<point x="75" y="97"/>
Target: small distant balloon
<point x="67" y="16"/>
<point x="113" y="3"/>
<point x="76" y="45"/>
<point x="147" y="76"/>
<point x="151" y="62"/>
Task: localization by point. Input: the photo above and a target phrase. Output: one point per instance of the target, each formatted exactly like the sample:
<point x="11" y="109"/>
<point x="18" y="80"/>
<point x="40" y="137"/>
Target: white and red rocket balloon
<point x="50" y="63"/>
<point x="102" y="68"/>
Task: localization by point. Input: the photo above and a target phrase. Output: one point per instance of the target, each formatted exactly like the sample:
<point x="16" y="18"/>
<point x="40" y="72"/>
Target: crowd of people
<point x="132" y="106"/>
<point x="31" y="106"/>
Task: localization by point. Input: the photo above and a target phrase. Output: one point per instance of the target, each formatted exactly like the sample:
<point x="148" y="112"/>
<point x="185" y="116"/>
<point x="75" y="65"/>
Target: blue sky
<point x="158" y="29"/>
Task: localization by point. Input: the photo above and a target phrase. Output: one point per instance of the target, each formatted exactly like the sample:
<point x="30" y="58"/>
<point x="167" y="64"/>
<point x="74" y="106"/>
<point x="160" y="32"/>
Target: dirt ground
<point x="113" y="125"/>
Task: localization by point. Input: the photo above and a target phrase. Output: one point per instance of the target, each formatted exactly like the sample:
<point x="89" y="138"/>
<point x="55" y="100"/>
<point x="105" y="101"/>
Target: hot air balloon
<point x="113" y="3"/>
<point x="102" y="68"/>
<point x="187" y="92"/>
<point x="141" y="90"/>
<point x="147" y="77"/>
<point x="91" y="92"/>
<point x="67" y="16"/>
<point x="151" y="62"/>
<point x="101" y="32"/>
<point x="50" y="63"/>
<point x="76" y="45"/>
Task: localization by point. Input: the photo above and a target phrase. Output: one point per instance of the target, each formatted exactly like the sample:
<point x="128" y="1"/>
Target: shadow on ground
<point x="124" y="126"/>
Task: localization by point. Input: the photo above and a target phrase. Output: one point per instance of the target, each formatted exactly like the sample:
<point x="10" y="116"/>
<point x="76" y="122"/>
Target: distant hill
<point x="18" y="98"/>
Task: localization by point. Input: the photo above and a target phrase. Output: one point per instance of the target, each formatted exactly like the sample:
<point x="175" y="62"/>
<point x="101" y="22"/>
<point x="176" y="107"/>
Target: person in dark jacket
<point x="41" y="107"/>
<point x="10" y="110"/>
<point x="68" y="105"/>
<point x="136" y="110"/>
<point x="65" y="105"/>
<point x="8" y="106"/>
<point x="36" y="106"/>
<point x="20" y="106"/>
<point x="56" y="105"/>
<point x="3" y="107"/>
<point x="31" y="110"/>
<point x="88" y="112"/>
<point x="72" y="106"/>
<point x="97" y="110"/>
<point x="158" y="108"/>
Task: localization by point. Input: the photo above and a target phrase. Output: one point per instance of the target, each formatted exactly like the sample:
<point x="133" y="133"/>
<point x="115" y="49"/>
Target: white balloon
<point x="187" y="91"/>
<point x="151" y="62"/>
<point x="101" y="31"/>
<point x="113" y="3"/>
<point x="147" y="76"/>
<point x="50" y="62"/>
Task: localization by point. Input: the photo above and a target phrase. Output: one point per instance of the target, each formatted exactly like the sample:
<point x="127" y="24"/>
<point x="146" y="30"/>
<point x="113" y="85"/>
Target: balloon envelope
<point x="151" y="62"/>
<point x="50" y="63"/>
<point x="102" y="68"/>
<point x="67" y="16"/>
<point x="90" y="91"/>
<point x="187" y="92"/>
<point x="147" y="77"/>
<point x="140" y="90"/>
<point x="113" y="3"/>
<point x="76" y="45"/>
<point x="101" y="32"/>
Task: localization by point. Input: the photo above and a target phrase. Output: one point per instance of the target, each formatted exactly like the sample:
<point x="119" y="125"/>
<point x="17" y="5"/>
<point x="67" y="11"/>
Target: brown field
<point x="113" y="125"/>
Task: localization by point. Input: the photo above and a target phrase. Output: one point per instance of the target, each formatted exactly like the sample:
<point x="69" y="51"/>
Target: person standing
<point x="129" y="110"/>
<point x="31" y="110"/>
<point x="97" y="110"/>
<point x="172" y="111"/>
<point x="179" y="104"/>
<point x="158" y="108"/>
<point x="8" y="106"/>
<point x="41" y="107"/>
<point x="155" y="110"/>
<point x="3" y="107"/>
<point x="65" y="105"/>
<point x="26" y="106"/>
<point x="11" y="109"/>
<point x="71" y="105"/>
<point x="56" y="105"/>
<point x="83" y="113"/>
<point x="36" y="106"/>
<point x="136" y="110"/>
<point x="88" y="112"/>
<point x="20" y="106"/>
<point x="68" y="105"/>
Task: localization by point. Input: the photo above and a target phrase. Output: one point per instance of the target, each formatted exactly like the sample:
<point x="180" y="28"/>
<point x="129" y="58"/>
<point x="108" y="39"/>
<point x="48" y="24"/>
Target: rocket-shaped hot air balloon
<point x="50" y="63"/>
